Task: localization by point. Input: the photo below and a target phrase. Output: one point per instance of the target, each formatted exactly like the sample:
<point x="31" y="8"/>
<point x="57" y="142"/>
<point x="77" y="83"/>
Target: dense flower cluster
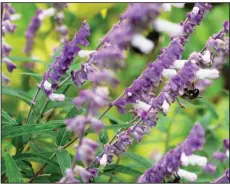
<point x="8" y="27"/>
<point x="63" y="62"/>
<point x="111" y="53"/>
<point x="219" y="58"/>
<point x="152" y="76"/>
<point x="175" y="158"/>
<point x="173" y="88"/>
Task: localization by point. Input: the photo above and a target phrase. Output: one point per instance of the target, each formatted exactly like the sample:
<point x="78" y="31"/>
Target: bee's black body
<point x="175" y="180"/>
<point x="190" y="93"/>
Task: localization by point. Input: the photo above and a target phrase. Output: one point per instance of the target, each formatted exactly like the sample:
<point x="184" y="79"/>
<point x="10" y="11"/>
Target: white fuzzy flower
<point x="57" y="97"/>
<point x="195" y="10"/>
<point x="178" y="64"/>
<point x="103" y="160"/>
<point x="165" y="106"/>
<point x="168" y="27"/>
<point x="168" y="73"/>
<point x="15" y="17"/>
<point x="193" y="160"/>
<point x="227" y="153"/>
<point x="178" y="5"/>
<point x="167" y="6"/>
<point x="207" y="74"/>
<point x="187" y="175"/>
<point x="142" y="105"/>
<point x="47" y="13"/>
<point x="145" y="45"/>
<point x="60" y="15"/>
<point x="47" y="85"/>
<point x="207" y="57"/>
<point x="129" y="94"/>
<point x="184" y="159"/>
<point x="102" y="91"/>
<point x="85" y="53"/>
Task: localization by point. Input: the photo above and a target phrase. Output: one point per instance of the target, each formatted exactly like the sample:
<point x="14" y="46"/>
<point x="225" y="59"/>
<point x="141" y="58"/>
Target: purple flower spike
<point x="31" y="31"/>
<point x="8" y="27"/>
<point x="141" y="14"/>
<point x="95" y="99"/>
<point x="226" y="26"/>
<point x="226" y="144"/>
<point x="6" y="49"/>
<point x="210" y="168"/>
<point x="69" y="177"/>
<point x="77" y="124"/>
<point x="5" y="79"/>
<point x="195" y="140"/>
<point x="63" y="62"/>
<point x="86" y="151"/>
<point x="151" y="78"/>
<point x="171" y="162"/>
<point x="99" y="77"/>
<point x="109" y="56"/>
<point x="9" y="64"/>
<point x="224" y="178"/>
<point x="219" y="156"/>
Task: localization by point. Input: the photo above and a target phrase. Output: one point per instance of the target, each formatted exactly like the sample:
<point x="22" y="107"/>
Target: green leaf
<point x="114" y="120"/>
<point x="209" y="108"/>
<point x="117" y="126"/>
<point x="104" y="137"/>
<point x="36" y="76"/>
<point x="12" y="92"/>
<point x="113" y="168"/>
<point x="64" y="135"/>
<point x="14" y="131"/>
<point x="64" y="160"/>
<point x="138" y="159"/>
<point x="7" y="117"/>
<point x="205" y="120"/>
<point x="34" y="157"/>
<point x="12" y="172"/>
<point x="24" y="59"/>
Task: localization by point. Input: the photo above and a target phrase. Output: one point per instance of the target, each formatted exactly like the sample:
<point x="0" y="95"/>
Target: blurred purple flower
<point x="86" y="151"/>
<point x="219" y="156"/>
<point x="5" y="79"/>
<point x="34" y="25"/>
<point x="95" y="99"/>
<point x="210" y="168"/>
<point x="9" y="64"/>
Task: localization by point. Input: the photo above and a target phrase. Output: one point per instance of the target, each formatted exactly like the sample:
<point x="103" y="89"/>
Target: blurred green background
<point x="212" y="110"/>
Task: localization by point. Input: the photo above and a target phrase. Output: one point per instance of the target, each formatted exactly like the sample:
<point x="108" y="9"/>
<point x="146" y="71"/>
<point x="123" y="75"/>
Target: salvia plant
<point x="99" y="111"/>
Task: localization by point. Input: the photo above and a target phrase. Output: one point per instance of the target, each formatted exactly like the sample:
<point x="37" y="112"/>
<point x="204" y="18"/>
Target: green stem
<point x="32" y="103"/>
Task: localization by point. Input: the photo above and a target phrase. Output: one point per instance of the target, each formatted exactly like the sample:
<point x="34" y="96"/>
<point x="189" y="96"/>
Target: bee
<point x="176" y="179"/>
<point x="190" y="94"/>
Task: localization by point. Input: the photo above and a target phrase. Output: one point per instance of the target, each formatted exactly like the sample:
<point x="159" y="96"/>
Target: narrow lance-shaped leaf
<point x="12" y="172"/>
<point x="14" y="131"/>
<point x="7" y="117"/>
<point x="64" y="160"/>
